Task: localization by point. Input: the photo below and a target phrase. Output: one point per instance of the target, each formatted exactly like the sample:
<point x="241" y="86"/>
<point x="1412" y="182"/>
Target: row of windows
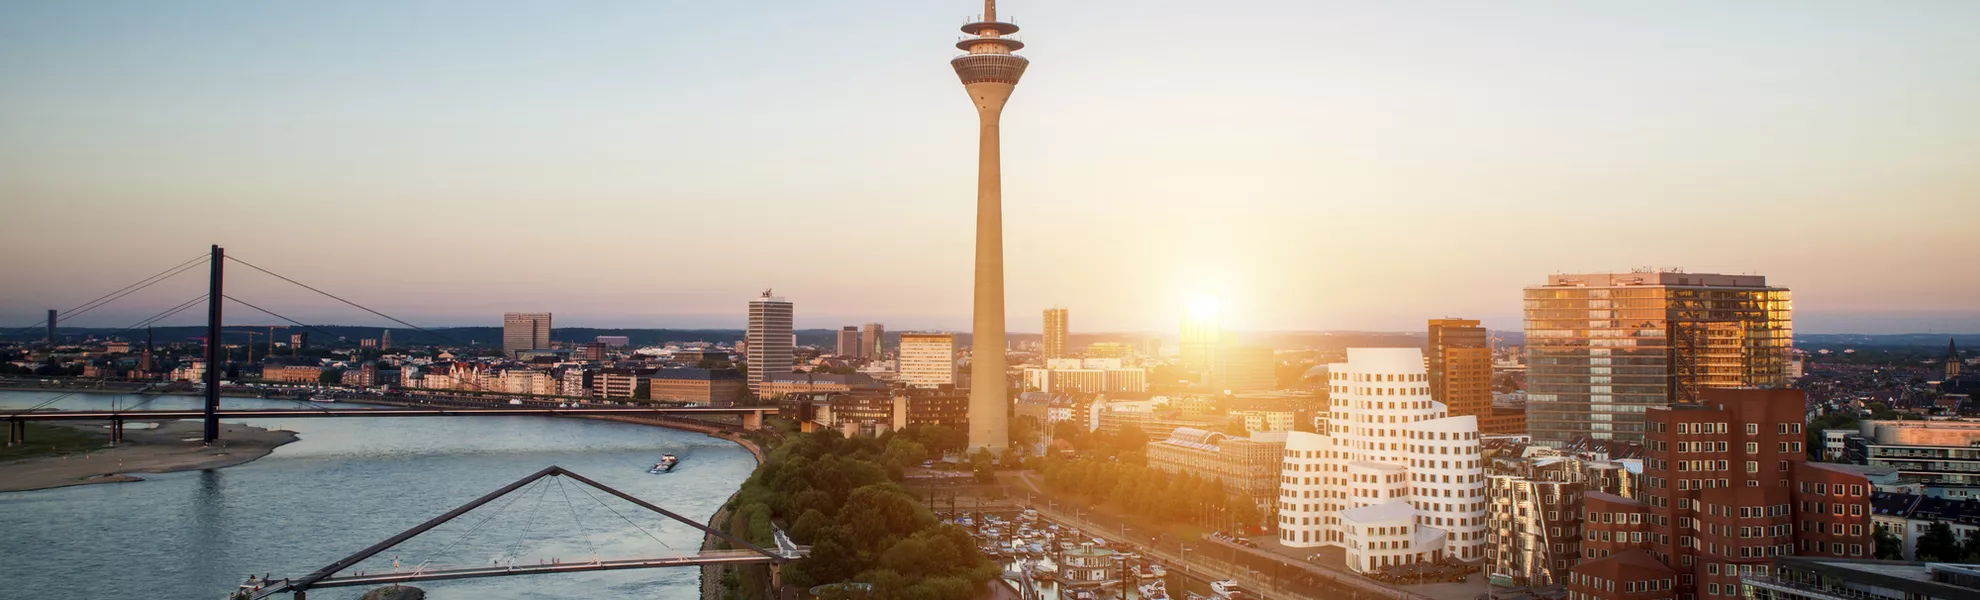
<point x="1720" y="427"/>
<point x="1609" y="585"/>
<point x="1823" y="488"/>
<point x="1387" y="377"/>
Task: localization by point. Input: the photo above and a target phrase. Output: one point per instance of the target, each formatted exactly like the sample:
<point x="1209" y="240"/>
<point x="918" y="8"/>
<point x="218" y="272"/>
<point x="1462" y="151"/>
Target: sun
<point x="1204" y="307"/>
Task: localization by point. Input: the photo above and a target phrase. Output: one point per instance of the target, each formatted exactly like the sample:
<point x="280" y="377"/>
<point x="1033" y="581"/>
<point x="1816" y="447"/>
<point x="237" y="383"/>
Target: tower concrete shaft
<point x="989" y="73"/>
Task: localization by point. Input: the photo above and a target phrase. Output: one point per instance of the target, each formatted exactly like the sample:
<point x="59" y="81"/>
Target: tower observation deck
<point x="989" y="59"/>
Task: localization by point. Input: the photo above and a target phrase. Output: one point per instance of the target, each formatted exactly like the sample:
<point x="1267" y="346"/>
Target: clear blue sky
<point x="1321" y="165"/>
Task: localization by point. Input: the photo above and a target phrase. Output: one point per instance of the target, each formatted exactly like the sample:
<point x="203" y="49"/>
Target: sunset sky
<point x="1318" y="165"/>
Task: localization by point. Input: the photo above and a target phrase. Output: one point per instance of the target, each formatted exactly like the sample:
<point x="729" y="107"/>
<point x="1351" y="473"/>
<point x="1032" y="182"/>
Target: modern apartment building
<point x="1394" y="479"/>
<point x="1534" y="524"/>
<point x="1603" y="348"/>
<point x="928" y="359"/>
<point x="769" y="339"/>
<point x="1056" y="330"/>
<point x="1727" y="490"/>
<point x="525" y="331"/>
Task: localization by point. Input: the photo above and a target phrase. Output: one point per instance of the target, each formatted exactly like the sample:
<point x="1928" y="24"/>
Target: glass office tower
<point x="1602" y="348"/>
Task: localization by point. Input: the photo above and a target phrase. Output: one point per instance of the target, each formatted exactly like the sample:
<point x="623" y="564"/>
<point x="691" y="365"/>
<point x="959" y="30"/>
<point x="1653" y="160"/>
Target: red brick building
<point x="1726" y="489"/>
<point x="1612" y="525"/>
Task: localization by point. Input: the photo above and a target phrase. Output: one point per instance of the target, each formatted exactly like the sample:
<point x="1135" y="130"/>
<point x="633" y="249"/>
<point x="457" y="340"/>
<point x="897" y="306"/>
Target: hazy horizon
<point x="1319" y="165"/>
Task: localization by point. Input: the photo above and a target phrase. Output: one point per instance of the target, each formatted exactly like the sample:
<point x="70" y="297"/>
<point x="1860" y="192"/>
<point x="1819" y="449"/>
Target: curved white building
<point x="1394" y="479"/>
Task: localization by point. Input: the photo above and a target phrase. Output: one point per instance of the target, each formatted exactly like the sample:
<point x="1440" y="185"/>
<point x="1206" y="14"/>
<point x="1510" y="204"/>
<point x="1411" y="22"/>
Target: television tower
<point x="989" y="72"/>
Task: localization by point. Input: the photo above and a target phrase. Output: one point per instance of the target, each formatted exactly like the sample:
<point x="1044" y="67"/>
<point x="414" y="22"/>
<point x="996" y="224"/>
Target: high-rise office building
<point x="848" y="345"/>
<point x="1602" y="348"/>
<point x="1055" y="332"/>
<point x="385" y="340"/>
<point x="769" y="340"/>
<point x="525" y="331"/>
<point x="1245" y="369"/>
<point x="1461" y="369"/>
<point x="928" y="359"/>
<point x="872" y="341"/>
<point x="1202" y="335"/>
<point x="1395" y="479"/>
<point x="989" y="72"/>
<point x="1952" y="359"/>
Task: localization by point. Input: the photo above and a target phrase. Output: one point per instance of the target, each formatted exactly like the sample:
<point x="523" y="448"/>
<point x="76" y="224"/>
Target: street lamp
<point x="1185" y="557"/>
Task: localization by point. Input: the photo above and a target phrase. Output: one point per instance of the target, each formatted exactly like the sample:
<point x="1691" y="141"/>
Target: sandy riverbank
<point x="172" y="446"/>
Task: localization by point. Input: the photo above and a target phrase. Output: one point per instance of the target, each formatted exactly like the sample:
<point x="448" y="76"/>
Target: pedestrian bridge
<point x="339" y="574"/>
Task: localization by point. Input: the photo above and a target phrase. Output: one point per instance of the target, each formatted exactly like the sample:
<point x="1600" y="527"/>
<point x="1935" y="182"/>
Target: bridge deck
<point x="304" y="413"/>
<point x="710" y="557"/>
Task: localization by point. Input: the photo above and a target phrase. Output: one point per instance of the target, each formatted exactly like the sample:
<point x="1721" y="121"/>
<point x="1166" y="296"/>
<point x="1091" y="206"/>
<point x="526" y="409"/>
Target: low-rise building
<point x="1929" y="452"/>
<point x="291" y="373"/>
<point x="1811" y="578"/>
<point x="1265" y="420"/>
<point x="1247" y="465"/>
<point x="619" y="383"/>
<point x="812" y="383"/>
<point x="700" y="387"/>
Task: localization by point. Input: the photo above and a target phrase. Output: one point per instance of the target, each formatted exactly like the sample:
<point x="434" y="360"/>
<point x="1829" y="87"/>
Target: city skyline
<point x="1783" y="114"/>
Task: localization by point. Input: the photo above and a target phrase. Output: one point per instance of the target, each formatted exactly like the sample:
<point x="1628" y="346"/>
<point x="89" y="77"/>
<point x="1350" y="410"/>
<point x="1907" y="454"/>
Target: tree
<point x="1023" y="432"/>
<point x="1889" y="547"/>
<point x="1131" y="439"/>
<point x="808" y="526"/>
<point x="902" y="453"/>
<point x="1938" y="544"/>
<point x="1244" y="512"/>
<point x="330" y="377"/>
<point x="986" y="472"/>
<point x="1236" y="428"/>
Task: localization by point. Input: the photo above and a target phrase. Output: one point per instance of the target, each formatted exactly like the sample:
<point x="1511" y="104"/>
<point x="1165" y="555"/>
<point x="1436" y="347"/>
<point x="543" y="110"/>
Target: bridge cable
<point x="340" y="299"/>
<point x="471" y="530"/>
<point x="470" y="382"/>
<point x="162" y="315"/>
<point x="565" y="490"/>
<point x="42" y="405"/>
<point x="302" y="403"/>
<point x="515" y="550"/>
<point x="92" y="304"/>
<point x="623" y="517"/>
<point x="153" y="319"/>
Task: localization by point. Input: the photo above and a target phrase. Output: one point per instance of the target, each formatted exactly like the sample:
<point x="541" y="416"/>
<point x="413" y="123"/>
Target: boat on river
<point x="666" y="464"/>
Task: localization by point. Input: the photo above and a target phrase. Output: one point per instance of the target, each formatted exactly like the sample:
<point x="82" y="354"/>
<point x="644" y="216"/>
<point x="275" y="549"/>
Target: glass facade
<point x="1603" y="348"/>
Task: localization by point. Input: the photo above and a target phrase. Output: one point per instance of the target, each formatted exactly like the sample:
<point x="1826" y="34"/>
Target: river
<point x="350" y="483"/>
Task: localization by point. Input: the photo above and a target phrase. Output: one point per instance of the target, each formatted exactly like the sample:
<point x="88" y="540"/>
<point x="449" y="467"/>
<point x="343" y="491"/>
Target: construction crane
<point x="250" y="345"/>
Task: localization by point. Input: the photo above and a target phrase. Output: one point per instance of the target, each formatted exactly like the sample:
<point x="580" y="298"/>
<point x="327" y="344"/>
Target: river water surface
<point x="352" y="482"/>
